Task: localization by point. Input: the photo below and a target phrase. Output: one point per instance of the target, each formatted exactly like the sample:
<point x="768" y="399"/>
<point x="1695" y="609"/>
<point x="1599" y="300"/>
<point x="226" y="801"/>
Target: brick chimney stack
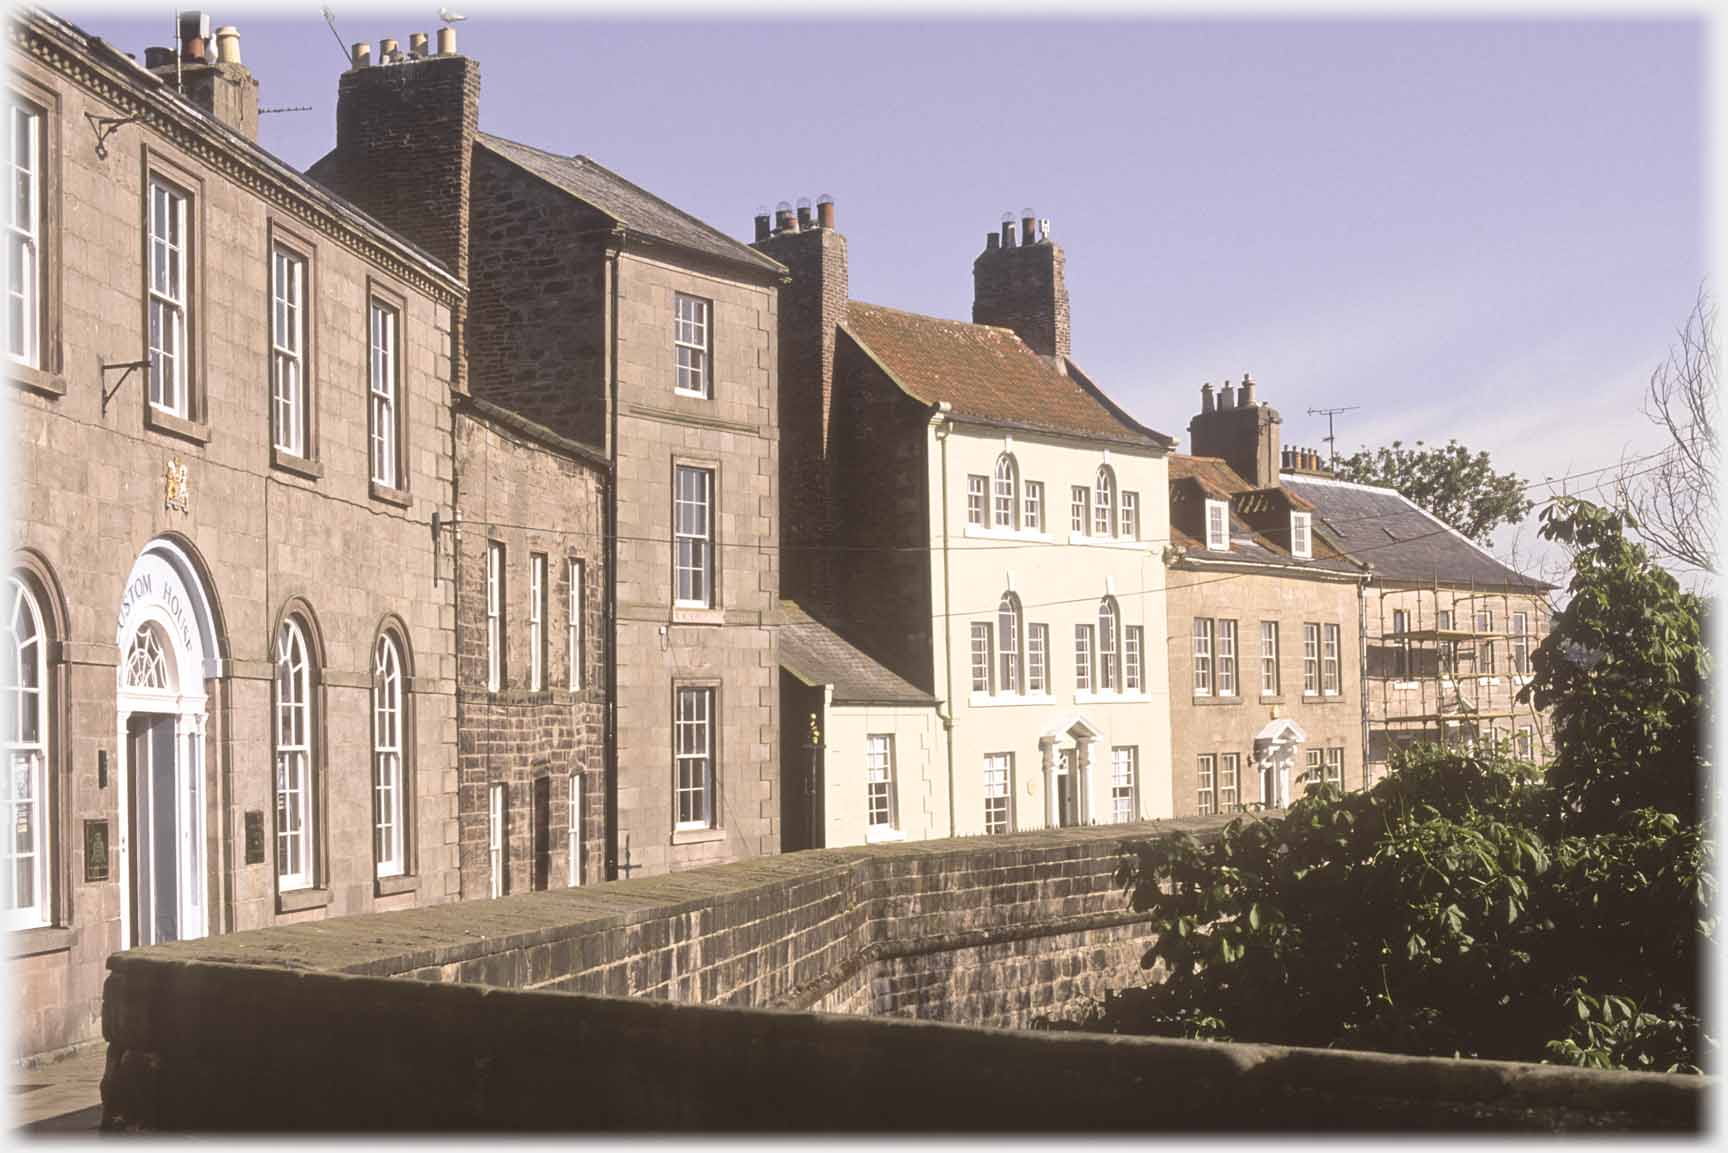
<point x="405" y="127"/>
<point x="1022" y="286"/>
<point x="1241" y="430"/>
<point x="812" y="307"/>
<point x="210" y="73"/>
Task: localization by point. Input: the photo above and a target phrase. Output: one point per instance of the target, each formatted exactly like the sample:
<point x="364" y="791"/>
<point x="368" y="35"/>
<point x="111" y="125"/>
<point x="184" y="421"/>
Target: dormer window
<point x="1301" y="539"/>
<point x="1218" y="525"/>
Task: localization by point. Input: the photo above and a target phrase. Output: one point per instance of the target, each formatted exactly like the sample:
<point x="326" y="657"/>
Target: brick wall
<point x="429" y="1021"/>
<point x="1024" y="289"/>
<point x="531" y="495"/>
<point x="882" y="510"/>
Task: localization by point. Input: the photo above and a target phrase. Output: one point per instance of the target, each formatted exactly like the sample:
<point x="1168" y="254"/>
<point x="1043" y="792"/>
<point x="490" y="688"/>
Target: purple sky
<point x="1484" y="229"/>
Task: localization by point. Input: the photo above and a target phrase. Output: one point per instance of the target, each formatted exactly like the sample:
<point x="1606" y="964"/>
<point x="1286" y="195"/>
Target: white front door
<point x="167" y="877"/>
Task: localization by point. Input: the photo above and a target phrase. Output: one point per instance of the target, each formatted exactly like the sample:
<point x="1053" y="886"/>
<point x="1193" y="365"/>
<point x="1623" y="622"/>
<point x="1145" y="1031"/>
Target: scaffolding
<point x="1445" y="665"/>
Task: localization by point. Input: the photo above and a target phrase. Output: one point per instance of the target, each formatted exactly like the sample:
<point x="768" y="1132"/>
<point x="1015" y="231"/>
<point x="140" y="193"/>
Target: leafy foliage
<point x="1457" y="486"/>
<point x="1623" y="670"/>
<point x="1467" y="904"/>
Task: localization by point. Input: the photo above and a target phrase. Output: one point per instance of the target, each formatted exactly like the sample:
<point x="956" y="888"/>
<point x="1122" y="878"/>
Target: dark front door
<point x="1067" y="790"/>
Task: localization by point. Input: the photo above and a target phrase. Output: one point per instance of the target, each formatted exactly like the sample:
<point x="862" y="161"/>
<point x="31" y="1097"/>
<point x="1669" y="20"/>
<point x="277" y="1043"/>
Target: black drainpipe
<point x="611" y="629"/>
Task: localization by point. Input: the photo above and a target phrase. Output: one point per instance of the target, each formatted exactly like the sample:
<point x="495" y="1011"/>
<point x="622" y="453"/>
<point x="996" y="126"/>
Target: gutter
<point x="611" y="628"/>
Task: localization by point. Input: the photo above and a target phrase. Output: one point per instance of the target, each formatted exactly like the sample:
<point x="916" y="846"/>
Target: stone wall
<point x="315" y="1027"/>
<point x="533" y="493"/>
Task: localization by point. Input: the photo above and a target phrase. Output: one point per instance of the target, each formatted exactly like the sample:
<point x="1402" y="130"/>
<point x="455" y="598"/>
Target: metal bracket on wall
<point x="130" y="366"/>
<point x="104" y="127"/>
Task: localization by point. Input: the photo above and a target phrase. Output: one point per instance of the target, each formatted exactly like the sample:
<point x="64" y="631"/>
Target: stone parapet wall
<point x="315" y="1026"/>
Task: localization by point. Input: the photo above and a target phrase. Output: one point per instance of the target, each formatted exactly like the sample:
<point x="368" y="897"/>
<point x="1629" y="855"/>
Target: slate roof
<point x="636" y="208"/>
<point x="1218" y="481"/>
<point x="989" y="374"/>
<point x="817" y="655"/>
<point x="1403" y="541"/>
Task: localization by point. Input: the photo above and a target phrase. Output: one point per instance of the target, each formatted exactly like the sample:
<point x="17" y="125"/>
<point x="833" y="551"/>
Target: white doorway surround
<point x="167" y="640"/>
<point x="1275" y="754"/>
<point x="1067" y="756"/>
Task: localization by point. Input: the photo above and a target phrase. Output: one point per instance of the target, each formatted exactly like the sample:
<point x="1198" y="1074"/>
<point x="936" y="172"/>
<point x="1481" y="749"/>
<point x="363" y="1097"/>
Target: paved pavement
<point x="63" y="1096"/>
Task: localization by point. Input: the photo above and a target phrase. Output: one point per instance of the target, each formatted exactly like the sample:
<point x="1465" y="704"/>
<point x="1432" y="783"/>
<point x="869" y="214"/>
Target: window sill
<point x="883" y="836"/>
<point x="1003" y="700"/>
<point x="299" y="900"/>
<point x="197" y="431"/>
<point x="298" y="465"/>
<point x="989" y="533"/>
<point x="1405" y="686"/>
<point x="1487" y="680"/>
<point x="698" y="836"/>
<point x="692" y="615"/>
<point x="390" y="886"/>
<point x="396" y="496"/>
<point x="1108" y="698"/>
<point x="35" y="942"/>
<point x="687" y="394"/>
<point x="1127" y="542"/>
<point x="1271" y="698"/>
<point x="1211" y="699"/>
<point x="36" y="379"/>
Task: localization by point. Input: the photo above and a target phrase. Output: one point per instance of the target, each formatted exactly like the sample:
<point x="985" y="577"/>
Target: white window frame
<point x="1129" y="529"/>
<point x="1104" y="502"/>
<point x="296" y="807"/>
<point x="1005" y="502"/>
<point x="1521" y="643"/>
<point x="1446" y="652"/>
<point x="1083" y="680"/>
<point x="288" y="350"/>
<point x="1080" y="509"/>
<point x="496" y="825"/>
<point x="998" y="793"/>
<point x="389" y="834"/>
<point x="983" y="669"/>
<point x="1124" y="783"/>
<point x="977" y="500"/>
<point x="1032" y="512"/>
<point x="1133" y="646"/>
<point x="1315" y="769"/>
<point x="1202" y="649"/>
<point x="1524" y="743"/>
<point x="384" y="327"/>
<point x="537" y="621"/>
<point x="693" y="345"/>
<point x="1008" y="644"/>
<point x="1401" y="645"/>
<point x="1109" y="646"/>
<point x="1218" y="525"/>
<point x="24" y="234"/>
<point x="1226" y="658"/>
<point x="1331" y="682"/>
<point x="494" y="616"/>
<point x="881" y="805"/>
<point x="1229" y="769"/>
<point x="693" y="536"/>
<point x="169" y="332"/>
<point x="573" y="624"/>
<point x="1302" y="535"/>
<point x="1037" y="659"/>
<point x="1310" y="659"/>
<point x="27" y="747"/>
<point x="1205" y="784"/>
<point x="693" y="757"/>
<point x="1270" y="681"/>
<point x="1334" y="766"/>
<point x="1487" y="664"/>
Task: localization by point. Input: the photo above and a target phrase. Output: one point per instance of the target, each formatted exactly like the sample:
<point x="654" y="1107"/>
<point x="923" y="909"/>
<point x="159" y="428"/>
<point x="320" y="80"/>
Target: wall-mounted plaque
<point x="254" y="836"/>
<point x="95" y="850"/>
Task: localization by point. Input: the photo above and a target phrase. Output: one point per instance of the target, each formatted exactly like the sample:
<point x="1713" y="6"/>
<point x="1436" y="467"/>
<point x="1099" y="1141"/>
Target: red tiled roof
<point x="985" y="372"/>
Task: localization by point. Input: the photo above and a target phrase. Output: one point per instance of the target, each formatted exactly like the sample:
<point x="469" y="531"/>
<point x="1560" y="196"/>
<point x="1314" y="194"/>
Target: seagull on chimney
<point x="450" y="17"/>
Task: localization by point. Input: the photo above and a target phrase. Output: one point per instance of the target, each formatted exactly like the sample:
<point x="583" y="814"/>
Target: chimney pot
<point x="992" y="241"/>
<point x="1247" y="394"/>
<point x="446" y="41"/>
<point x="417" y="45"/>
<point x="361" y="54"/>
<point x="1226" y="398"/>
<point x="387" y="51"/>
<point x="1008" y="233"/>
<point x="783" y="217"/>
<point x="803" y="214"/>
<point x="825" y="211"/>
<point x="1044" y="229"/>
<point x="194" y="32"/>
<point x="1028" y="225"/>
<point x="155" y="58"/>
<point x="764" y="223"/>
<point x="1206" y="404"/>
<point x="228" y="45"/>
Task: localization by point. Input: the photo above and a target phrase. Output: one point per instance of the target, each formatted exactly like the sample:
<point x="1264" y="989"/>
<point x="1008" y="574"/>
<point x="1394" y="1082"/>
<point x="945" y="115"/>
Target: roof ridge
<point x="944" y="320"/>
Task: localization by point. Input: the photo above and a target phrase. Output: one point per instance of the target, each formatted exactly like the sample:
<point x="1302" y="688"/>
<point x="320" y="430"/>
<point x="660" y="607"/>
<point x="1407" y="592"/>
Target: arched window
<point x="389" y="839"/>
<point x="23" y="683"/>
<point x="294" y="798"/>
<point x="146" y="661"/>
<point x="1008" y="642"/>
<point x="1007" y="482"/>
<point x="1104" y="502"/>
<point x="1109" y="650"/>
